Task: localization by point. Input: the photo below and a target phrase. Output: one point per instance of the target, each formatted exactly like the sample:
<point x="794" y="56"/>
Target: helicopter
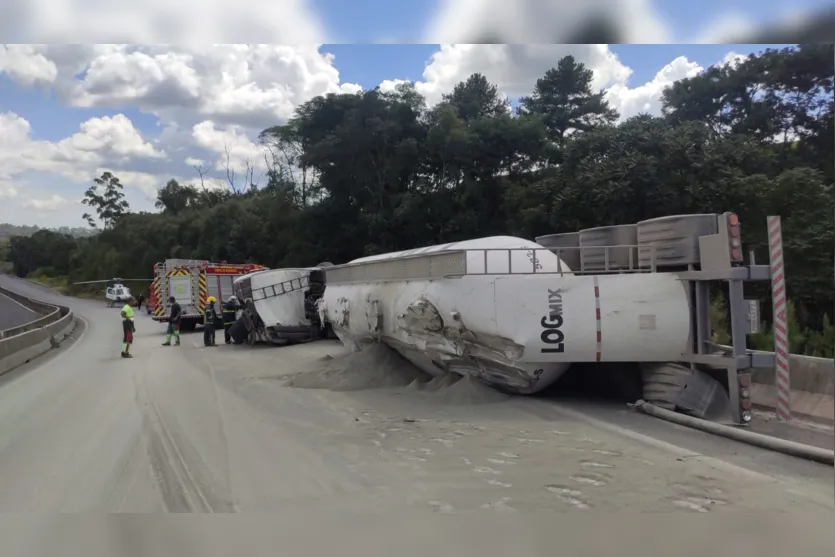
<point x="116" y="291"/>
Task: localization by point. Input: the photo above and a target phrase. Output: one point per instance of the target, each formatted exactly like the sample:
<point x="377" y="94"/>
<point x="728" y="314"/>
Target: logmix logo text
<point x="552" y="324"/>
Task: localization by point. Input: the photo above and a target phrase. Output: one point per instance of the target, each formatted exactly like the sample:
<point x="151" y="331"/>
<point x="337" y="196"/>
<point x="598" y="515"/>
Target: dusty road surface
<point x="12" y="314"/>
<point x="194" y="429"/>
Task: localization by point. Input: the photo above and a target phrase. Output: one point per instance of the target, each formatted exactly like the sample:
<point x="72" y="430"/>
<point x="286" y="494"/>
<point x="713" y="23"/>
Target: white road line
<point x="18" y="303"/>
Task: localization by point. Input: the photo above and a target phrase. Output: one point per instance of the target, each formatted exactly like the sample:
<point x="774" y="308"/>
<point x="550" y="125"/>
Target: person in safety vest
<point x="128" y="327"/>
<point x="209" y="320"/>
<point x="229" y="310"/>
<point x="173" y="323"/>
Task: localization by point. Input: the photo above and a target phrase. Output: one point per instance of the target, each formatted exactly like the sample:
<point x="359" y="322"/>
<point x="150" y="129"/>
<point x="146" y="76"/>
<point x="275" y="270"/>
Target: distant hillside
<point x="8" y="230"/>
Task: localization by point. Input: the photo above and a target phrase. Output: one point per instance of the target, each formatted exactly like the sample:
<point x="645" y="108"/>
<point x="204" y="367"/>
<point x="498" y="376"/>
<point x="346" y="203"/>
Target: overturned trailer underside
<point x="279" y="306"/>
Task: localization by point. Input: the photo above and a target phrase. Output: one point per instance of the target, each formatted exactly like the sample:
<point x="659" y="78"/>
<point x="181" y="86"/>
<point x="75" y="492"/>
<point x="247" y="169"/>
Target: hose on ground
<point x="784" y="446"/>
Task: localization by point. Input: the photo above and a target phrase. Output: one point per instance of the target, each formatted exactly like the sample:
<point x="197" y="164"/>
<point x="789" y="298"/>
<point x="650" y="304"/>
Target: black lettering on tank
<point x="552" y="324"/>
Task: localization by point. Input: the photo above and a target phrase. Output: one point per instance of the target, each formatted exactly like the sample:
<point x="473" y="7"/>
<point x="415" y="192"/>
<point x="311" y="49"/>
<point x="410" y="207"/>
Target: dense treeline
<point x="8" y="230"/>
<point x="354" y="175"/>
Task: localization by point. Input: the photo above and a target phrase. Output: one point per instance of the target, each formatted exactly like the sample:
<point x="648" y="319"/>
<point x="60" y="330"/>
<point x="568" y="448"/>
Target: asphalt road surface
<point x="12" y="314"/>
<point x="203" y="430"/>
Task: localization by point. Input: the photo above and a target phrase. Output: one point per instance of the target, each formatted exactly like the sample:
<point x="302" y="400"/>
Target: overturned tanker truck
<point x="278" y="306"/>
<point x="516" y="315"/>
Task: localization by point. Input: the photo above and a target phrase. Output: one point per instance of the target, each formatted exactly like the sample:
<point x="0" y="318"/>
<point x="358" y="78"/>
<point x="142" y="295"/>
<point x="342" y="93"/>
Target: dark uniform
<point x="209" y="320"/>
<point x="173" y="323"/>
<point x="139" y="300"/>
<point x="229" y="309"/>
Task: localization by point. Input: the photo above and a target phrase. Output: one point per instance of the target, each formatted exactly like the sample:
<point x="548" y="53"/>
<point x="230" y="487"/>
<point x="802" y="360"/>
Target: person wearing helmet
<point x="230" y="308"/>
<point x="209" y="320"/>
<point x="173" y="323"/>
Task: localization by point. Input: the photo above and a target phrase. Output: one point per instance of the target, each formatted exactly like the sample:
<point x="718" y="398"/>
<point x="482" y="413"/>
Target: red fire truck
<point x="191" y="282"/>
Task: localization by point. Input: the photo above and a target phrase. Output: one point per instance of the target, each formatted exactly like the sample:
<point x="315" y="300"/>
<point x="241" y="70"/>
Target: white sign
<point x="753" y="316"/>
<point x="180" y="288"/>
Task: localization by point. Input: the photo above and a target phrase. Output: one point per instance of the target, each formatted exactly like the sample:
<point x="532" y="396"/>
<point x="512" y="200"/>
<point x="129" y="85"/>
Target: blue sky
<point x="365" y="64"/>
<point x="48" y="163"/>
<point x="362" y="20"/>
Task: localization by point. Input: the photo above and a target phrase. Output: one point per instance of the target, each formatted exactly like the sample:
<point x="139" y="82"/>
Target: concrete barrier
<point x="812" y="382"/>
<point x="50" y="313"/>
<point x="19" y="345"/>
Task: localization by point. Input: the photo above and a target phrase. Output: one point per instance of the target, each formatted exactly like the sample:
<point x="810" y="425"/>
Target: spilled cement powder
<point x="467" y="390"/>
<point x="457" y="390"/>
<point x="379" y="367"/>
<point x="374" y="367"/>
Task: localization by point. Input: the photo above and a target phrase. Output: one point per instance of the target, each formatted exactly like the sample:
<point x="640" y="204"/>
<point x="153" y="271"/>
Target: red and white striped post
<point x="781" y="327"/>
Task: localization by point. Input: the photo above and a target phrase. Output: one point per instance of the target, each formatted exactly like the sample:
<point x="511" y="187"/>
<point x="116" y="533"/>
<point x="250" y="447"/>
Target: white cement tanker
<point x="505" y="310"/>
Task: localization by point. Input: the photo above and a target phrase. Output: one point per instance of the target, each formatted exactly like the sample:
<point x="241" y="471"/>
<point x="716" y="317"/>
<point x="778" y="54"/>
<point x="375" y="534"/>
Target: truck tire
<point x="663" y="383"/>
<point x="238" y="332"/>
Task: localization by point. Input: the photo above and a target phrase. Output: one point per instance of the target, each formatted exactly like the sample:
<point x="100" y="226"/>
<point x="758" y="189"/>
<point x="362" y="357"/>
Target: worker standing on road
<point x="139" y="301"/>
<point x="209" y="320"/>
<point x="230" y="308"/>
<point x="173" y="323"/>
<point x="128" y="327"/>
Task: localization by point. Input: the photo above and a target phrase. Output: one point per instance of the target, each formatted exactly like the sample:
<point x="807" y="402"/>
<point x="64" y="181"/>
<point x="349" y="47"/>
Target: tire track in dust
<point x="183" y="489"/>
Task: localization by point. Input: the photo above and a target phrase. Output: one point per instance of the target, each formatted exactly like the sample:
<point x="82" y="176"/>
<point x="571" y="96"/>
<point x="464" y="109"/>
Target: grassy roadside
<point x="63" y="285"/>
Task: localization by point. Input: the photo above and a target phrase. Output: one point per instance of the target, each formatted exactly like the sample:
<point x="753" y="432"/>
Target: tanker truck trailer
<point x="516" y="315"/>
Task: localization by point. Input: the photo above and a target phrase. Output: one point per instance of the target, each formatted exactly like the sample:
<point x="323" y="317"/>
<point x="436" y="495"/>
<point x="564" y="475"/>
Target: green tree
<point x="107" y="198"/>
<point x="173" y="198"/>
<point x="564" y="99"/>
<point x="476" y="98"/>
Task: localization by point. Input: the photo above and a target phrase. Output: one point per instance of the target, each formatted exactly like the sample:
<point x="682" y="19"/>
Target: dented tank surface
<point x="517" y="331"/>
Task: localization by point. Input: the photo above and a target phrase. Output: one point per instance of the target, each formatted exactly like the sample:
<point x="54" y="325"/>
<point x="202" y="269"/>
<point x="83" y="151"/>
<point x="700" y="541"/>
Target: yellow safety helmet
<point x="212" y="299"/>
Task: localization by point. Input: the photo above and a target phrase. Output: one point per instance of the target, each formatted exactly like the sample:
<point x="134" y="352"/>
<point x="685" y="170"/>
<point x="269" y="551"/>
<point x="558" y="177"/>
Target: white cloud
<point x="52" y="203"/>
<point x="734" y="59"/>
<point x="233" y="151"/>
<point x="160" y="21"/>
<point x="205" y="97"/>
<point x="7" y="191"/>
<point x="50" y="177"/>
<point x="25" y="65"/>
<point x="513" y="68"/>
<point x="243" y="84"/>
<point x="647" y="97"/>
<point x="535" y="21"/>
<point x="112" y="139"/>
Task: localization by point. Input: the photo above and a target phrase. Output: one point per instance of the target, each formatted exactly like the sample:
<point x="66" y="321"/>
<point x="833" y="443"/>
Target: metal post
<point x="739" y="328"/>
<point x="781" y="328"/>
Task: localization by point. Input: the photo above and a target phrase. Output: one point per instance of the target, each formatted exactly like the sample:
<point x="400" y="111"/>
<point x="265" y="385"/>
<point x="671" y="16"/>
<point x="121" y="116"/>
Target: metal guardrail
<point x="50" y="314"/>
<point x="491" y="261"/>
<point x="19" y="345"/>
